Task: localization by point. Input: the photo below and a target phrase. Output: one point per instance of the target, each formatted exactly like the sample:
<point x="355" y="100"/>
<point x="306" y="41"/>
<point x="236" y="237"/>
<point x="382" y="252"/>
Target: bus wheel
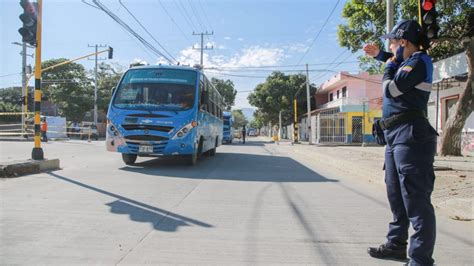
<point x="213" y="151"/>
<point x="129" y="159"/>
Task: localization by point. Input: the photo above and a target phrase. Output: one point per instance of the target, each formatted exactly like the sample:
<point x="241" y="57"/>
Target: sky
<point x="247" y="36"/>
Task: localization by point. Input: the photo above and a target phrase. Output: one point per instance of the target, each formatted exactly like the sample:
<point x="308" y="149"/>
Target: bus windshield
<point x="157" y="90"/>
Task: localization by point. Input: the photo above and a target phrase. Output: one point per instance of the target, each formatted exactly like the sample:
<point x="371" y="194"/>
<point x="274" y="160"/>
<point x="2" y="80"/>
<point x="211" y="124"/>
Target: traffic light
<point x="111" y="52"/>
<point x="29" y="19"/>
<point x="428" y="16"/>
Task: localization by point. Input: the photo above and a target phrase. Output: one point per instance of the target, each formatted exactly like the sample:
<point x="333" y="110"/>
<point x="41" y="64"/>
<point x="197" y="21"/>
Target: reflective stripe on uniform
<point x="424" y="86"/>
<point x="393" y="89"/>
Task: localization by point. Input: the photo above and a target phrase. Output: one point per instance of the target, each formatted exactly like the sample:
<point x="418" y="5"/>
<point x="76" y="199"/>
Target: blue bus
<point x="164" y="111"/>
<point x="228" y="128"/>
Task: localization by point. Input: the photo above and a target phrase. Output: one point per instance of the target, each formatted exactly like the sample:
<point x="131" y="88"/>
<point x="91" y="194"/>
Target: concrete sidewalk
<point x="453" y="192"/>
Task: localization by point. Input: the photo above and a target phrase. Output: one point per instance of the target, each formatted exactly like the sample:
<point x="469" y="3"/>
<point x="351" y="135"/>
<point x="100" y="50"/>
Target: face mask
<point x="399" y="54"/>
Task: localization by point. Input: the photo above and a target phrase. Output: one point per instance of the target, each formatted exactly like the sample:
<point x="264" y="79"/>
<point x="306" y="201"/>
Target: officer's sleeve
<point x="408" y="77"/>
<point x="383" y="56"/>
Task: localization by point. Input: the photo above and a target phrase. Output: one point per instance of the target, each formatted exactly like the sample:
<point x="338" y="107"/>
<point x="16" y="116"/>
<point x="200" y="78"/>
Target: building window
<point x="337" y="94"/>
<point x="331" y="97"/>
<point x="344" y="92"/>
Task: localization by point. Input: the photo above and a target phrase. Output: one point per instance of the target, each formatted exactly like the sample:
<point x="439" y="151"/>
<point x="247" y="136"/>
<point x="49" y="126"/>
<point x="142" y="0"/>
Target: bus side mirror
<point x="113" y="90"/>
<point x="203" y="106"/>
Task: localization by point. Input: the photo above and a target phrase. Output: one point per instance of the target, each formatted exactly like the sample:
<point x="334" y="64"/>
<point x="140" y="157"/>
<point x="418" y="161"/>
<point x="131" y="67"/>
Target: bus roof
<point x="167" y="67"/>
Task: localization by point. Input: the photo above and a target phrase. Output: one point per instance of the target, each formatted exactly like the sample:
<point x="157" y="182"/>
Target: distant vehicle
<point x="164" y="111"/>
<point x="89" y="129"/>
<point x="228" y="131"/>
<point x="252" y="133"/>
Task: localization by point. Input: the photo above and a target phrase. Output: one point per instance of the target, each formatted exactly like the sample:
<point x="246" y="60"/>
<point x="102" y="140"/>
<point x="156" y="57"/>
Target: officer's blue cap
<point x="406" y="29"/>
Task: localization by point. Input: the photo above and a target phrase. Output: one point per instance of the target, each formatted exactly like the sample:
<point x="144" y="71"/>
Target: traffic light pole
<point x="308" y="108"/>
<point x="37" y="153"/>
<point x="24" y="87"/>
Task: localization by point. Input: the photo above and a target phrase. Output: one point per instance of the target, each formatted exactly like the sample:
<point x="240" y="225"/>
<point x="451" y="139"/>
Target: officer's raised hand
<point x="371" y="49"/>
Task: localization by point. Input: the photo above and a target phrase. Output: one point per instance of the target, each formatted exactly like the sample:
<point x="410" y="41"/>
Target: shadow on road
<point x="249" y="143"/>
<point x="161" y="219"/>
<point x="233" y="166"/>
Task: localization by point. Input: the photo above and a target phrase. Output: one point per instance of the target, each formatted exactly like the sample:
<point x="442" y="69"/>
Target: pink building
<point x="346" y="106"/>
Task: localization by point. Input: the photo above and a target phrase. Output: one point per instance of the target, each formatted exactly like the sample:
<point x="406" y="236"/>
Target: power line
<point x="130" y="30"/>
<point x="8" y="75"/>
<point x="185" y="15"/>
<point x="205" y="15"/>
<point x="270" y="70"/>
<point x="314" y="78"/>
<point x="320" y="30"/>
<point x="145" y="29"/>
<point x="234" y="75"/>
<point x="198" y="18"/>
<point x="174" y="22"/>
<point x="281" y="66"/>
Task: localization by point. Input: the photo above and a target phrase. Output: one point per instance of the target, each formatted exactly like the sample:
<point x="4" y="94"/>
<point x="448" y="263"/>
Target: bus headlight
<point x="185" y="130"/>
<point x="113" y="129"/>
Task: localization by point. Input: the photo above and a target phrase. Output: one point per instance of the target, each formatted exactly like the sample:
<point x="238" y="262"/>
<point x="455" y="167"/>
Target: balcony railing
<point x="341" y="102"/>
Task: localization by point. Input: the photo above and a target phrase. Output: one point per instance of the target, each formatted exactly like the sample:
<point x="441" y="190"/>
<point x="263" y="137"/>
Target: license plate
<point x="145" y="149"/>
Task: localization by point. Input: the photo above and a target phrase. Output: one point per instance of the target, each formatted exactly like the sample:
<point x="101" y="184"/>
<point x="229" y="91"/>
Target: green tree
<point x="69" y="88"/>
<point x="239" y="118"/>
<point x="108" y="77"/>
<point x="226" y="89"/>
<point x="10" y="102"/>
<point x="365" y="22"/>
<point x="257" y="121"/>
<point x="276" y="94"/>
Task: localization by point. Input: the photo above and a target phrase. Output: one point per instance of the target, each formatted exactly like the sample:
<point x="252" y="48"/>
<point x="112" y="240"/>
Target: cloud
<point x="257" y="56"/>
<point x="227" y="38"/>
<point x="250" y="56"/>
<point x="240" y="39"/>
<point x="297" y="48"/>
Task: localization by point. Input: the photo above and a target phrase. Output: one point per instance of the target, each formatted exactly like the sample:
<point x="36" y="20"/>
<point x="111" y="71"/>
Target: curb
<point x="27" y="167"/>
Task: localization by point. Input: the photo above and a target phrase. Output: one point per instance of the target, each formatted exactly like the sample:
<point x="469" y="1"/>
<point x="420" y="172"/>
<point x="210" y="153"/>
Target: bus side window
<point x="202" y="90"/>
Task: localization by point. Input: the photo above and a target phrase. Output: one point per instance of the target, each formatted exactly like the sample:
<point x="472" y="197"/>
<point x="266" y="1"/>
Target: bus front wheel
<point x="192" y="159"/>
<point x="128" y="158"/>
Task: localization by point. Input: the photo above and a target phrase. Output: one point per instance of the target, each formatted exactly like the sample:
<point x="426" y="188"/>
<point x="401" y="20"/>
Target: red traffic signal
<point x="428" y="4"/>
<point x="428" y="18"/>
<point x="29" y="19"/>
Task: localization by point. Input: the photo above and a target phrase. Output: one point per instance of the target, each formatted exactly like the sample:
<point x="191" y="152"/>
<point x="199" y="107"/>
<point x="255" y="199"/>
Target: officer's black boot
<point x="385" y="252"/>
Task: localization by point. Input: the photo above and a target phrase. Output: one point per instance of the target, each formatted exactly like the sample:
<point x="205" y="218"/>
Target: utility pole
<point x="95" y="78"/>
<point x="279" y="125"/>
<point x="308" y="107"/>
<point x="363" y="121"/>
<point x="25" y="70"/>
<point x="202" y="48"/>
<point x="389" y="22"/>
<point x="295" y="120"/>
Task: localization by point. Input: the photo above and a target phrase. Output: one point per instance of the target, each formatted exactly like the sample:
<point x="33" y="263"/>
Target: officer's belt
<point x="401" y="118"/>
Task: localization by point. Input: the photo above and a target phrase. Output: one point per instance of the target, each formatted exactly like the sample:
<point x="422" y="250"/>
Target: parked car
<point x="89" y="129"/>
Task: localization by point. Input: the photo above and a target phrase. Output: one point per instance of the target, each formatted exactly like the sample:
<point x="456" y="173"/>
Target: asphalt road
<point x="257" y="203"/>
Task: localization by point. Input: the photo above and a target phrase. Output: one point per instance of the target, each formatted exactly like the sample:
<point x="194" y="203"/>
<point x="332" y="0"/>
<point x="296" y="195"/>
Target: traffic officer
<point x="411" y="144"/>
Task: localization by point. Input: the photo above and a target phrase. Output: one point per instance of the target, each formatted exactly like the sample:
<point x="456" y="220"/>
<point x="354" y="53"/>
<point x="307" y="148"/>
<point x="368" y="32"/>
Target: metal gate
<point x="357" y="129"/>
<point x="331" y="127"/>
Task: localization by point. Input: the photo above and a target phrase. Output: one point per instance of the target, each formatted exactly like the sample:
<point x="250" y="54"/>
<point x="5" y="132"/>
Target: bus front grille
<point x="146" y="138"/>
<point x="147" y="127"/>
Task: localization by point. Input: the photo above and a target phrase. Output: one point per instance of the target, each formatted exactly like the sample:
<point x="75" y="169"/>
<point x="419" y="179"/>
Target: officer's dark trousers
<point x="409" y="178"/>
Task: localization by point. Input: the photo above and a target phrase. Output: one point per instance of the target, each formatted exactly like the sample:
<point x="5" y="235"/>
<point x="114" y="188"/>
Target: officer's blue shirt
<point x="406" y="86"/>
